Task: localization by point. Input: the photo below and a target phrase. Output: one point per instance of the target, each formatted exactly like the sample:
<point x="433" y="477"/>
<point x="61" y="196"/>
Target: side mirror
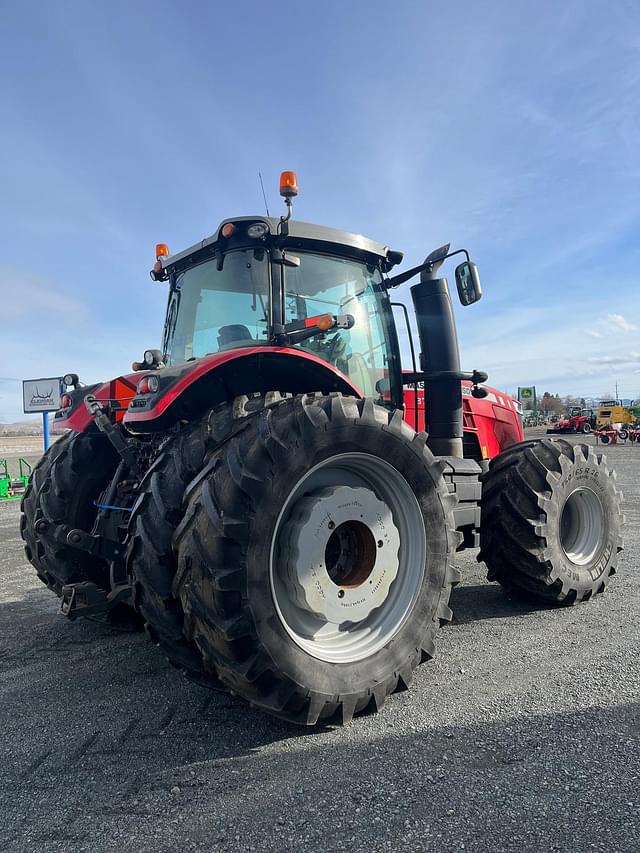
<point x="468" y="283"/>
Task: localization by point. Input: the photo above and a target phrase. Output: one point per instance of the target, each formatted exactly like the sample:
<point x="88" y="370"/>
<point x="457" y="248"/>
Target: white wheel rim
<point x="320" y="572"/>
<point x="582" y="525"/>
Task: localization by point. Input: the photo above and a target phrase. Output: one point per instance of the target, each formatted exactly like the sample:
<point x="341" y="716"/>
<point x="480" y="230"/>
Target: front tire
<point x="551" y="524"/>
<point x="308" y="621"/>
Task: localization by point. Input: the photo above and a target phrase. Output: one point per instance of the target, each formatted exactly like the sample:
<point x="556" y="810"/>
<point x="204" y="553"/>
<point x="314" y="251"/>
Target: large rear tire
<point x="62" y="489"/>
<point x="157" y="512"/>
<point x="551" y="524"/>
<point x="315" y="558"/>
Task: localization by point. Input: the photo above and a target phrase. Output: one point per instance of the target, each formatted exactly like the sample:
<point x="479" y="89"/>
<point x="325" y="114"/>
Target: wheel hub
<point x="341" y="553"/>
<point x="582" y="526"/>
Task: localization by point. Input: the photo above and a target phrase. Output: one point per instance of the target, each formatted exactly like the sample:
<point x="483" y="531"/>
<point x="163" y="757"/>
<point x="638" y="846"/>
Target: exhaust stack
<point x="439" y="356"/>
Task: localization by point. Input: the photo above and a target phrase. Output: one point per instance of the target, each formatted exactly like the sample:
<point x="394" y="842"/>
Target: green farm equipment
<point x="13" y="488"/>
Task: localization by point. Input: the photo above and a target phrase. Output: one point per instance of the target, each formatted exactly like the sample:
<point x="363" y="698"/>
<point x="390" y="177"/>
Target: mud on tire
<point x="253" y="488"/>
<point x="552" y="520"/>
<point x="63" y="487"/>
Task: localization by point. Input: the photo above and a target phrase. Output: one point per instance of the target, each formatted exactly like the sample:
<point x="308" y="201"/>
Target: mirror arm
<point x="460" y="252"/>
<point x="399" y="279"/>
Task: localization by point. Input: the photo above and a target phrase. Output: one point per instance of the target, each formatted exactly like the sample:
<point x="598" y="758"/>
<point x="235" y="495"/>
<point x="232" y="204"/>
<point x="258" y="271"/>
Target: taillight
<point x="66" y="402"/>
<point x="148" y="385"/>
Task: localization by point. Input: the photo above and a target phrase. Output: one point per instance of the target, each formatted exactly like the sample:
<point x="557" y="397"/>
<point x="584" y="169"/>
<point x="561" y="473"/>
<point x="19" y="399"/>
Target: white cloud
<point x="592" y="333"/>
<point x="612" y="359"/>
<point x="619" y="322"/>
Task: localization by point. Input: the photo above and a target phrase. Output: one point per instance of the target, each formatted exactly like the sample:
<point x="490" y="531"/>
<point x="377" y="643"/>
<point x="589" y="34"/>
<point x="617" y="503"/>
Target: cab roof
<point x="300" y="234"/>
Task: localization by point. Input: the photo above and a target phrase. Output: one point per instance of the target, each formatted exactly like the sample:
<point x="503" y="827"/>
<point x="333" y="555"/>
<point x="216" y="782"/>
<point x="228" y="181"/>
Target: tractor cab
<point x="253" y="291"/>
<point x="267" y="282"/>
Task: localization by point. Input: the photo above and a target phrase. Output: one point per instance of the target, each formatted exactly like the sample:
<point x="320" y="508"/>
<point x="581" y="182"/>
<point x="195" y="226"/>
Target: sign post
<point x="42" y="395"/>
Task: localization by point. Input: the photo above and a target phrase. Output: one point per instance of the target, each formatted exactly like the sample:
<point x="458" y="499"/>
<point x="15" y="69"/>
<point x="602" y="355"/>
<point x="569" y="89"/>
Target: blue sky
<point x="510" y="128"/>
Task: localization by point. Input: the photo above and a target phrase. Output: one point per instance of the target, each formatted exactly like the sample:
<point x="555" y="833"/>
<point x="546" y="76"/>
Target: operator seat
<point x="232" y="335"/>
<point x="359" y="373"/>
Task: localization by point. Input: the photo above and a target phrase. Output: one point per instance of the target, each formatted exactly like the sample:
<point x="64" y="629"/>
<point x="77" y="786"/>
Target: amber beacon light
<point x="288" y="184"/>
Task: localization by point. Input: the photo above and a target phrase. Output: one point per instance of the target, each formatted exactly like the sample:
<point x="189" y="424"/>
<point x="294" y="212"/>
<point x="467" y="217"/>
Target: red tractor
<point x="577" y="420"/>
<point x="280" y="501"/>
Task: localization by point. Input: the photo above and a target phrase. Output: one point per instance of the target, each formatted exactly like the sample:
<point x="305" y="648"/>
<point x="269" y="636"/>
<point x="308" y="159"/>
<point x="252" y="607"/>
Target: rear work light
<point x="148" y="385"/>
<point x="257" y="230"/>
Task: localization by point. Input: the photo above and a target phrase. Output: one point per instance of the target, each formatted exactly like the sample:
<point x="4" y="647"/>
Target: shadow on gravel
<point x="54" y="669"/>
<point x="564" y="781"/>
<point x="487" y="601"/>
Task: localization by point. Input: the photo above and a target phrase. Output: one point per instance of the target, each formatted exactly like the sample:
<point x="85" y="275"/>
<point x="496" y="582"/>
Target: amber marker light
<point x="227" y="229"/>
<point x="162" y="251"/>
<point x="323" y="321"/>
<point x="288" y="184"/>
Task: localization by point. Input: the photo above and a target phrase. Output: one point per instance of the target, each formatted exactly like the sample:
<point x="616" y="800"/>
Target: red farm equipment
<point x="577" y="420"/>
<point x="280" y="502"/>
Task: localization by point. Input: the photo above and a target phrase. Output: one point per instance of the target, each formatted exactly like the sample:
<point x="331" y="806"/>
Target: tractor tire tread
<point x="69" y="477"/>
<point x="158" y="516"/>
<point x="519" y="514"/>
<point x="221" y="623"/>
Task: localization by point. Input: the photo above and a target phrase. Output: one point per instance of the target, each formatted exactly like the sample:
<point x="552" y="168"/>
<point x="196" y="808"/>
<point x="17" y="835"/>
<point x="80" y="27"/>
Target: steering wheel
<point x="334" y="348"/>
<point x="327" y="349"/>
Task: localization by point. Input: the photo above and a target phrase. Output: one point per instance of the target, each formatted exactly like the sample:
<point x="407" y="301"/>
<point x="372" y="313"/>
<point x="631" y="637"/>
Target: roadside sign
<point x="527" y="398"/>
<point x="42" y="395"/>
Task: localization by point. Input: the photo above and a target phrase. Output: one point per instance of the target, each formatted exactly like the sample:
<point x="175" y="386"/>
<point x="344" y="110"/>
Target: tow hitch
<point x="86" y="599"/>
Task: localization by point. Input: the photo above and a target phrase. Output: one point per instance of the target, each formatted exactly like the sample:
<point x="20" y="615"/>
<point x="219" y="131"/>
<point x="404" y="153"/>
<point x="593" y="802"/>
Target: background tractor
<point x="280" y="500"/>
<point x="578" y="419"/>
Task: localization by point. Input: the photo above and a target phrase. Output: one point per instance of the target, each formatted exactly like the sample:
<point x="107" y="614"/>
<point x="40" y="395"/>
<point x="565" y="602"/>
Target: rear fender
<point x="187" y="390"/>
<point x="114" y="395"/>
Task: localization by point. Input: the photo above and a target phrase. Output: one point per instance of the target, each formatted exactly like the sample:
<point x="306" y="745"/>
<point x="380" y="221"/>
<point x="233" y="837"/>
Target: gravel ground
<point x="522" y="735"/>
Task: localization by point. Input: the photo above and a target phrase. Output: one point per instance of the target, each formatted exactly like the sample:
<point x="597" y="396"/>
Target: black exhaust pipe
<point x="439" y="356"/>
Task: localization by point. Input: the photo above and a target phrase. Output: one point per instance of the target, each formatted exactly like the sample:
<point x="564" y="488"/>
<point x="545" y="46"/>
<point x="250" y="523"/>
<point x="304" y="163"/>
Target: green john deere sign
<point x="527" y="399"/>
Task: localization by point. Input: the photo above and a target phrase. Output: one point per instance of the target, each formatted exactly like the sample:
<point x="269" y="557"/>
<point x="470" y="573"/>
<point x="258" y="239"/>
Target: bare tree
<point x="550" y="404"/>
